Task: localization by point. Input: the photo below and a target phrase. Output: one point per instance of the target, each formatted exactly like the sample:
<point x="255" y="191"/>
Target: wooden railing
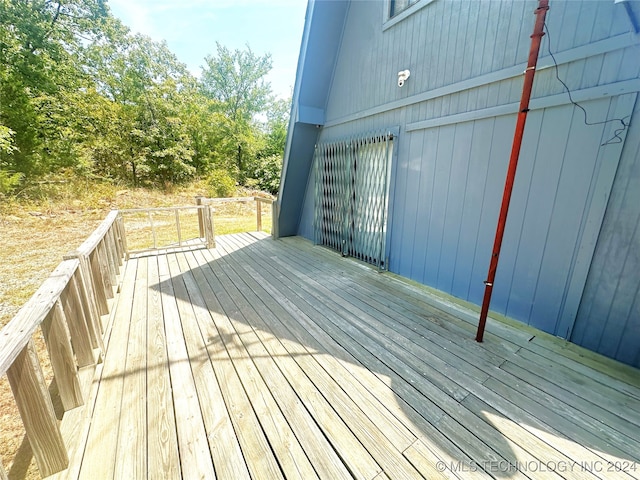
<point x="206" y="239"/>
<point x="68" y="307"/>
<point x="259" y="201"/>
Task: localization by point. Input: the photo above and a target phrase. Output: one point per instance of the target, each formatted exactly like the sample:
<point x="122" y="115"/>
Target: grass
<point x="39" y="226"/>
<point x="159" y="229"/>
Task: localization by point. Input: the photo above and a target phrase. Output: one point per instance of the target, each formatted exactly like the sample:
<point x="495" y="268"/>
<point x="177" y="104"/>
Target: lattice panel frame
<point x="352" y="195"/>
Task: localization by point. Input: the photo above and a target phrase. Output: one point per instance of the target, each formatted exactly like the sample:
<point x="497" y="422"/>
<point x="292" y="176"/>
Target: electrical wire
<point x="616" y="138"/>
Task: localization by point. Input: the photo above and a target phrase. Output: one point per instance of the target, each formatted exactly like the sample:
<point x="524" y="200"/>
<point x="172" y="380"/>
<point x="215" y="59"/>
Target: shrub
<point x="9" y="181"/>
<point x="265" y="174"/>
<point x="221" y="184"/>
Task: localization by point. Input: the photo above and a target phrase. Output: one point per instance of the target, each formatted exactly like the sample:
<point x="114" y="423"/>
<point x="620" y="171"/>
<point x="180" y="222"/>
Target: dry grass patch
<point x="34" y="236"/>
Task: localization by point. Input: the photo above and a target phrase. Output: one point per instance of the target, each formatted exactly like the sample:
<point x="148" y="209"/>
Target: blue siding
<point x="449" y="190"/>
<point x="608" y="319"/>
<point x="318" y="52"/>
<point x="305" y="228"/>
<point x="466" y="58"/>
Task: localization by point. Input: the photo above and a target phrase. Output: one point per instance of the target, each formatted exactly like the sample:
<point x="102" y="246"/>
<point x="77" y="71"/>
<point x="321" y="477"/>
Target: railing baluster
<point x="87" y="289"/>
<point x="99" y="287"/>
<point x="105" y="272"/>
<point x="258" y="215"/>
<point x="110" y="245"/>
<point x="57" y="337"/>
<point x="80" y="337"/>
<point x="123" y="236"/>
<point x="117" y="241"/>
<point x="153" y="230"/>
<point x="107" y="261"/>
<point x="38" y="417"/>
<point x="178" y="227"/>
<point x="78" y="290"/>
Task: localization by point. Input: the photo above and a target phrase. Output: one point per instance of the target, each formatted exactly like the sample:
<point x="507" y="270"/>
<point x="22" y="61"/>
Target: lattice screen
<point x="352" y="195"/>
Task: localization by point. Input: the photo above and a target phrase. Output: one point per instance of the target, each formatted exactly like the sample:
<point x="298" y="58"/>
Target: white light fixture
<point x="403" y="76"/>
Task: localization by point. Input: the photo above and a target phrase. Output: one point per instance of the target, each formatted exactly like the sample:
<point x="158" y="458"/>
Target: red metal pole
<point x="536" y="38"/>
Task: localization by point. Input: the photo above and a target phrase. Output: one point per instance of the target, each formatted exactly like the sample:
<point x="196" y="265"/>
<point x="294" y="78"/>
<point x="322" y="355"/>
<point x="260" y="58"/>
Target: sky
<point x="192" y="28"/>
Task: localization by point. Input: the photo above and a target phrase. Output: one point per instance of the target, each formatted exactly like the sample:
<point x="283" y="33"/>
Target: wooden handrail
<point x="92" y="241"/>
<point x="158" y="209"/>
<point x="68" y="307"/>
<point x="259" y="201"/>
<point x="203" y="210"/>
<point x="17" y="333"/>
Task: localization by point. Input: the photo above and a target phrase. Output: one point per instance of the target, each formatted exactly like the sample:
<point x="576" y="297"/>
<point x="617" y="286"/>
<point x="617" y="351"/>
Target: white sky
<point x="192" y="27"/>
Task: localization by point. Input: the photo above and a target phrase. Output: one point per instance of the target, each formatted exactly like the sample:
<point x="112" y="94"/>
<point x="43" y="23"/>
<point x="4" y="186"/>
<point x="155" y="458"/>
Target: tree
<point x="265" y="169"/>
<point x="39" y="74"/>
<point x="8" y="180"/>
<point x="237" y="80"/>
<point x="277" y="124"/>
<point x="143" y="85"/>
<point x="79" y="90"/>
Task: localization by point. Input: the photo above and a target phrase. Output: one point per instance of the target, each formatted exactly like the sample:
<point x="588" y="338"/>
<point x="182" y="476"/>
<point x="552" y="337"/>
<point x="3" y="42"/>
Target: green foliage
<point x="265" y="173"/>
<point x="236" y="80"/>
<point x="39" y="45"/>
<point x="82" y="95"/>
<point x="220" y="184"/>
<point x="9" y="182"/>
<point x="7" y="145"/>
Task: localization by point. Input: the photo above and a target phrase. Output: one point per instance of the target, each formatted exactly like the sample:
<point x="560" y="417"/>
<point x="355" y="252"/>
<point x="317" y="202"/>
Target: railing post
<point x="275" y="234"/>
<point x="123" y="236"/>
<point x="258" y="214"/>
<point x="39" y="419"/>
<point x="209" y="232"/>
<point x="56" y="335"/>
<point x="200" y="216"/>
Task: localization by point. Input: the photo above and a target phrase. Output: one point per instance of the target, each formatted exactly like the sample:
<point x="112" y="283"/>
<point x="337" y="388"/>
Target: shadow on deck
<point x="276" y="359"/>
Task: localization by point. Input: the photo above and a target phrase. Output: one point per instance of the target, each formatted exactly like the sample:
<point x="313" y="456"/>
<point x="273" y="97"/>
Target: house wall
<point x="609" y="316"/>
<point x="456" y="115"/>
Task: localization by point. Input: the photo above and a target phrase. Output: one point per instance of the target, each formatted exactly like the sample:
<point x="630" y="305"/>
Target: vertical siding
<point x="448" y="180"/>
<point x="449" y="191"/>
<point x="306" y="220"/>
<point x="608" y="320"/>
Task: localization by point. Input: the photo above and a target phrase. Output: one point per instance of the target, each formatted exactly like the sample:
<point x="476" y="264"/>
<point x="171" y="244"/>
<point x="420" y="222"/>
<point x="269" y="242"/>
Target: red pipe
<point x="536" y="39"/>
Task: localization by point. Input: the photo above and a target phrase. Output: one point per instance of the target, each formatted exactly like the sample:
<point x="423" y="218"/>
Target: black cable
<point x="616" y="134"/>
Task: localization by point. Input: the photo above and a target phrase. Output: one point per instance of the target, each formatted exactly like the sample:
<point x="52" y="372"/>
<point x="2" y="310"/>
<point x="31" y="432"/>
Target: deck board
<point x="560" y="392"/>
<point x="195" y="459"/>
<point x="105" y="419"/>
<point x="383" y="438"/>
<point x="162" y="439"/>
<point x="302" y="423"/>
<point x="277" y="359"/>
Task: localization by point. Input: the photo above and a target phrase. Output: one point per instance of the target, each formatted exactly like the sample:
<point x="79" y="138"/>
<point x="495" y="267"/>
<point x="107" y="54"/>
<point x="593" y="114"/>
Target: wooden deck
<point x="276" y="359"/>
